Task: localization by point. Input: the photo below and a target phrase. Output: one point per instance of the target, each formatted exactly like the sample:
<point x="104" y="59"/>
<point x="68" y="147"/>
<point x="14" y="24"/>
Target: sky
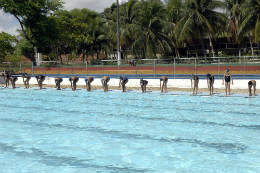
<point x="9" y="24"/>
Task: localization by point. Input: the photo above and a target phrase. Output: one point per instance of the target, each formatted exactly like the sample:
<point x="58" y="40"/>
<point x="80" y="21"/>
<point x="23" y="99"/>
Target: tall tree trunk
<point x="195" y="47"/>
<point x="251" y="44"/>
<point x="52" y="48"/>
<point x="212" y="47"/>
<point x="188" y="47"/>
<point x="176" y="54"/>
<point x="65" y="56"/>
<point x="239" y="50"/>
<point x="201" y="41"/>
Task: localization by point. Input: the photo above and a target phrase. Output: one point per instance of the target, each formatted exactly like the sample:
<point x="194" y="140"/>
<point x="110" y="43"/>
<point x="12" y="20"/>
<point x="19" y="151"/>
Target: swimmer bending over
<point x="6" y="78"/>
<point x="123" y="81"/>
<point x="88" y="81"/>
<point x="195" y="86"/>
<point x="73" y="81"/>
<point x="143" y="84"/>
<point x="210" y="82"/>
<point x="40" y="80"/>
<point x="250" y="84"/>
<point x="26" y="81"/>
<point x="104" y="82"/>
<point x="58" y="81"/>
<point x="13" y="80"/>
<point x="164" y="85"/>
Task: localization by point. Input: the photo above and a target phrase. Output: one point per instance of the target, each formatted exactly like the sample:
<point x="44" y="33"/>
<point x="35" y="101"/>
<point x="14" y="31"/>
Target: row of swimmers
<point x="227" y="79"/>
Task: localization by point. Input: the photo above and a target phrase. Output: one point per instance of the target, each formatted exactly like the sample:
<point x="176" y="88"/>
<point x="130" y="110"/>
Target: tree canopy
<point x="147" y="27"/>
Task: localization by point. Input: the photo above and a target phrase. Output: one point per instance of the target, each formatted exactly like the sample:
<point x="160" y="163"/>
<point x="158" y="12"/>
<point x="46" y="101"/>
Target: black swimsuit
<point x="211" y="79"/>
<point x="227" y="79"/>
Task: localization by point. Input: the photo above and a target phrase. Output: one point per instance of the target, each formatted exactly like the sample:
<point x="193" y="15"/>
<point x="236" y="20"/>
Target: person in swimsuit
<point x="13" y="80"/>
<point x="6" y="78"/>
<point x="143" y="84"/>
<point x="194" y="86"/>
<point x="250" y="84"/>
<point x="26" y="82"/>
<point x="73" y="80"/>
<point x="40" y="80"/>
<point x="210" y="82"/>
<point x="104" y="82"/>
<point x="227" y="77"/>
<point x="88" y="82"/>
<point x="164" y="85"/>
<point x="58" y="81"/>
<point x="131" y="62"/>
<point x="123" y="81"/>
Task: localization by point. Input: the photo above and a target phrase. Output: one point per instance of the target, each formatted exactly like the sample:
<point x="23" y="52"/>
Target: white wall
<point x="177" y="83"/>
<point x="2" y="81"/>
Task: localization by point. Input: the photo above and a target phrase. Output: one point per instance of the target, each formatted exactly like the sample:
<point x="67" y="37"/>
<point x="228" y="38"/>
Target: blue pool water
<point x="66" y="131"/>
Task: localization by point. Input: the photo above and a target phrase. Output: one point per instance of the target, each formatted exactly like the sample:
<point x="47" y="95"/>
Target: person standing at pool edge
<point x="143" y="84"/>
<point x="88" y="81"/>
<point x="210" y="82"/>
<point x="40" y="80"/>
<point x="227" y="77"/>
<point x="122" y="81"/>
<point x="195" y="86"/>
<point x="250" y="84"/>
<point x="13" y="80"/>
<point x="104" y="82"/>
<point x="26" y="82"/>
<point x="73" y="80"/>
<point x="58" y="81"/>
<point x="7" y="78"/>
<point x="164" y="85"/>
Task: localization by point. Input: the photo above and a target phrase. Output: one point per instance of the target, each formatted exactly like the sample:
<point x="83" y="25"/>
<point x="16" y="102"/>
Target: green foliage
<point x="35" y="19"/>
<point x="7" y="45"/>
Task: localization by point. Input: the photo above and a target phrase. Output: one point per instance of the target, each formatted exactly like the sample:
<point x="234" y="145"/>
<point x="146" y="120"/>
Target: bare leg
<point x="226" y="85"/>
<point x="249" y="89"/>
<point x="228" y="88"/>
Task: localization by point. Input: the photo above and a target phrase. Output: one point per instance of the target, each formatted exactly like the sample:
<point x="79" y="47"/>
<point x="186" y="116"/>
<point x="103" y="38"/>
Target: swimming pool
<point x="66" y="131"/>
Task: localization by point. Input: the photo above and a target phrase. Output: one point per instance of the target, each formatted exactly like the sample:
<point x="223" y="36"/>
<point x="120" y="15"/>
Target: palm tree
<point x="234" y="9"/>
<point x="149" y="30"/>
<point x="174" y="14"/>
<point x="97" y="33"/>
<point x="200" y="15"/>
<point x="250" y="21"/>
<point x="128" y="15"/>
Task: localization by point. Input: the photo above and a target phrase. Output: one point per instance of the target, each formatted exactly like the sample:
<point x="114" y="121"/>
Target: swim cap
<point x="250" y="83"/>
<point x="227" y="70"/>
<point x="208" y="75"/>
<point x="70" y="79"/>
<point x="192" y="77"/>
<point x="55" y="78"/>
<point x="86" y="80"/>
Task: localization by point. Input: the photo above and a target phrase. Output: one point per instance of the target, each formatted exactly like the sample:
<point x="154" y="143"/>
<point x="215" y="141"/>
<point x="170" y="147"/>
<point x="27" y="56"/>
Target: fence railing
<point x="141" y="68"/>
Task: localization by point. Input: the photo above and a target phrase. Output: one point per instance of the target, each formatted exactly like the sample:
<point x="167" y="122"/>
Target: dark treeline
<point x="147" y="27"/>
